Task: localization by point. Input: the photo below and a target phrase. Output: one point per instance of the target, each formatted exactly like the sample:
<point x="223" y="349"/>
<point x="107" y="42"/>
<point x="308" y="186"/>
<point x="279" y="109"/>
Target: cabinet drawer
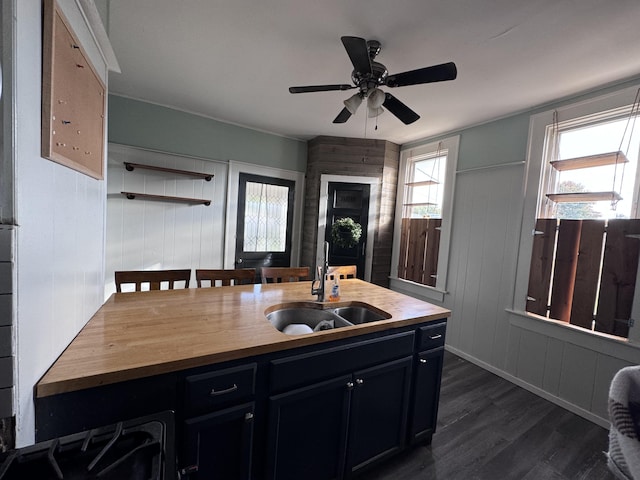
<point x="207" y="391"/>
<point x="432" y="336"/>
<point x="307" y="368"/>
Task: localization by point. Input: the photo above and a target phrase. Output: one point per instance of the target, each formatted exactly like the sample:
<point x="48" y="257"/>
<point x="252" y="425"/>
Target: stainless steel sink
<point x="359" y="314"/>
<point x="294" y="320"/>
<point x="297" y="318"/>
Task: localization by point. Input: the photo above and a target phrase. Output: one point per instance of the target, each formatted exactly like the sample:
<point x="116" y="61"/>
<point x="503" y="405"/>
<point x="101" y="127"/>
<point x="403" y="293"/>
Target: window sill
<point x="416" y="289"/>
<point x="596" y="341"/>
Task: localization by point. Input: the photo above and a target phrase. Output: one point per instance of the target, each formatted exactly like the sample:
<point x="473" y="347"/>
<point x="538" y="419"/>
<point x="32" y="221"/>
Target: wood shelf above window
<point x="584" y="197"/>
<point x="132" y="166"/>
<point x="599" y="160"/>
<point x="165" y="198"/>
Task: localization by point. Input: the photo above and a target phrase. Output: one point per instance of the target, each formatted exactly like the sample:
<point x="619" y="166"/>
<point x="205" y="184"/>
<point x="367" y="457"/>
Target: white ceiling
<point x="233" y="60"/>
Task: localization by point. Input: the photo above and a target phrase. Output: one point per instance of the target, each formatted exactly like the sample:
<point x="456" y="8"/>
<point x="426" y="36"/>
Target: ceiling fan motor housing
<point x="366" y="81"/>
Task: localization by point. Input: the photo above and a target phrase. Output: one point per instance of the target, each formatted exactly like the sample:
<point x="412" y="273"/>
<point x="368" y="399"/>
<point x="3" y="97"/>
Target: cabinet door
<point x="307" y="431"/>
<point x="379" y="408"/>
<point x="218" y="445"/>
<point x="426" y="395"/>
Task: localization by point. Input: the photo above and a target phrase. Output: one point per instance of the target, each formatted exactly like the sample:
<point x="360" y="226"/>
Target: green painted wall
<point x="501" y="141"/>
<point x="505" y="140"/>
<point x="141" y="124"/>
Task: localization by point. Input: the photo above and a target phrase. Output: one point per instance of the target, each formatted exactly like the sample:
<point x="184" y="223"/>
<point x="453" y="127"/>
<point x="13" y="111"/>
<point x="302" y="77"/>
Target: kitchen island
<point x="210" y="354"/>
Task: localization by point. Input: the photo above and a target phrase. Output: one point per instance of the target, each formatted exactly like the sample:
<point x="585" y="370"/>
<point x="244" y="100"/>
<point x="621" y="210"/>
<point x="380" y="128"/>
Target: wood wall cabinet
<point x="325" y="411"/>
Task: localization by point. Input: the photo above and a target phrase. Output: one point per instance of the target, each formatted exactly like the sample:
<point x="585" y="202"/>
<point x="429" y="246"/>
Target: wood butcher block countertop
<point x="135" y="335"/>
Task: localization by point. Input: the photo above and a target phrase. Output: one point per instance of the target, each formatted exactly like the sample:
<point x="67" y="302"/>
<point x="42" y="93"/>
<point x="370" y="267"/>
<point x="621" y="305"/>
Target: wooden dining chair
<point x="239" y="276"/>
<point x="153" y="277"/>
<point x="284" y="274"/>
<point x="342" y="271"/>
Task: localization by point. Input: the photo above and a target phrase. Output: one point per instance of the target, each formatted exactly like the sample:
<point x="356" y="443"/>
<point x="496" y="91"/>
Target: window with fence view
<point x="422" y="217"/>
<point x="586" y="244"/>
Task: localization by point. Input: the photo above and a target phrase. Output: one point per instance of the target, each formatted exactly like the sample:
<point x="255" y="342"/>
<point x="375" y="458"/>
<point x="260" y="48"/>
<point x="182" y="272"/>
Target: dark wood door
<point x="348" y="200"/>
<point x="218" y="445"/>
<point x="307" y="431"/>
<point x="426" y="395"/>
<point x="378" y="421"/>
<point x="265" y="222"/>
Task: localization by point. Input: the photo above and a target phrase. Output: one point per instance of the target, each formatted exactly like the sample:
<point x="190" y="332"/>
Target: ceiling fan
<point x="368" y="75"/>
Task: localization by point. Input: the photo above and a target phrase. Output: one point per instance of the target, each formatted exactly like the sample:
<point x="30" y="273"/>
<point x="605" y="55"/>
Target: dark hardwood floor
<point x="490" y="429"/>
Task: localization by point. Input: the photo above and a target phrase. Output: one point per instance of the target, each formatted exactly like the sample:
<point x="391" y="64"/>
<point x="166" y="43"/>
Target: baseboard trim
<point x="603" y="422"/>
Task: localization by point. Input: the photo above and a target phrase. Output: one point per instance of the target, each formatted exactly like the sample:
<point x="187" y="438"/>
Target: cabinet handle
<point x="359" y="381"/>
<point x="422" y="360"/>
<point x="213" y="392"/>
<point x="349" y="385"/>
<point x="248" y="417"/>
<point x="435" y="337"/>
<point x="189" y="470"/>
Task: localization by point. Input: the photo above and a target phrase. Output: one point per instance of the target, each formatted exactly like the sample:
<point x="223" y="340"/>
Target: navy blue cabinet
<point x="378" y="415"/>
<point x="338" y="410"/>
<point x="323" y="411"/>
<point x="307" y="431"/>
<point x="219" y="444"/>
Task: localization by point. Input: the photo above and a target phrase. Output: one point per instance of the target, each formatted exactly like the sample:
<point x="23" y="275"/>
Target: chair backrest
<point x="239" y="276"/>
<point x="284" y="274"/>
<point x="342" y="271"/>
<point x="153" y="277"/>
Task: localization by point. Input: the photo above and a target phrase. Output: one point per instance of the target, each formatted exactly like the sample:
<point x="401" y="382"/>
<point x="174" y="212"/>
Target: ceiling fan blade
<point x="435" y="73"/>
<point x="320" y="88"/>
<point x="343" y="116"/>
<point x="358" y="53"/>
<point x="399" y="109"/>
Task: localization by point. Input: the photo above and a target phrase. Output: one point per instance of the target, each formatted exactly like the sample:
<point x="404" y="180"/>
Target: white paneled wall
<point x="562" y="363"/>
<point x="486" y="226"/>
<point x="59" y="215"/>
<point x="147" y="234"/>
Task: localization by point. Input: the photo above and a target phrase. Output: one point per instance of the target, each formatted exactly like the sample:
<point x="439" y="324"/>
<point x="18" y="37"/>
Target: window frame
<point x="451" y="145"/>
<point x="537" y="154"/>
<point x="549" y="173"/>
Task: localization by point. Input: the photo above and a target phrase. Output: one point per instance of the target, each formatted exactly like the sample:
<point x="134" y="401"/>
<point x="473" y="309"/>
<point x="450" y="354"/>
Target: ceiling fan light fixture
<point x="352" y="103"/>
<point x="375" y="98"/>
<point x="374" y="102"/>
<point x="374" y="112"/>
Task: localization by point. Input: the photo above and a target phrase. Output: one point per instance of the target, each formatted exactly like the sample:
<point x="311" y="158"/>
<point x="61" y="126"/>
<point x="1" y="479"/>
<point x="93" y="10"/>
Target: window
<point x="591" y="168"/>
<point x="266" y="214"/>
<point x="586" y="238"/>
<point x="422" y="213"/>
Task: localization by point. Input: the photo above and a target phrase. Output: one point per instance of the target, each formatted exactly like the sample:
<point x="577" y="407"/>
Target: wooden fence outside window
<point x="579" y="267"/>
<point x="419" y="247"/>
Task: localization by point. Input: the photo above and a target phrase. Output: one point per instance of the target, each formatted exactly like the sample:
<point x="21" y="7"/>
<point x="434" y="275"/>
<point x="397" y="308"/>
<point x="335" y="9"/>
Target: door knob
<point x="239" y="260"/>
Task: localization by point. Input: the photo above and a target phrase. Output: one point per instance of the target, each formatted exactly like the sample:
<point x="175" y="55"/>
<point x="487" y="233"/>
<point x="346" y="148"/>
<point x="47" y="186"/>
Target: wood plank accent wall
<point x="356" y="157"/>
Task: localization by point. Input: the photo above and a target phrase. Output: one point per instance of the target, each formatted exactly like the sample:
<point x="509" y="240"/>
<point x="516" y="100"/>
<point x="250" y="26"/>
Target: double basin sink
<point x="308" y="317"/>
